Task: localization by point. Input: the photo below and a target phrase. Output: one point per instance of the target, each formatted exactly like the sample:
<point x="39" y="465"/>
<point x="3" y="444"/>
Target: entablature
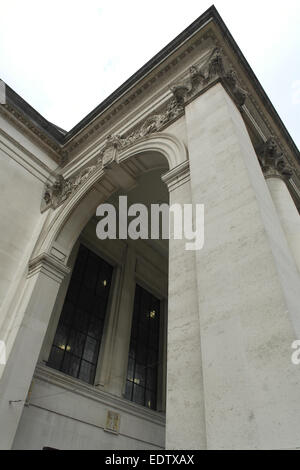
<point x="155" y="97"/>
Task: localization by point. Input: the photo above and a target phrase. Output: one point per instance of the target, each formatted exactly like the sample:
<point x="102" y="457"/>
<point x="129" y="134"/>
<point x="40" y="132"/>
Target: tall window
<point x="141" y="383"/>
<point x="78" y="336"/>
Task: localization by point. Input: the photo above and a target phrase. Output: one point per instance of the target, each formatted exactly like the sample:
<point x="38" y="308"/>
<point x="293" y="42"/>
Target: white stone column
<point x="248" y="287"/>
<point x="108" y="340"/>
<point x="288" y="214"/>
<point x="162" y="369"/>
<point x="44" y="279"/>
<point x="122" y="328"/>
<point x="185" y="420"/>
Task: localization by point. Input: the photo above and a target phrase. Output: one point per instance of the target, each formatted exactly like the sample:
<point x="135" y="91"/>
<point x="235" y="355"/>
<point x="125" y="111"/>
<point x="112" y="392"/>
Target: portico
<point x="193" y="127"/>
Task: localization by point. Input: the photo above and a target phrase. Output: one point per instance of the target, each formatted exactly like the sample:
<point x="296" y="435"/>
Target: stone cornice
<point x="61" y="189"/>
<point x="197" y="80"/>
<point x="134" y="95"/>
<point x="94" y="393"/>
<point x="238" y="79"/>
<point x="22" y="122"/>
<point x="177" y="176"/>
<point x="13" y="149"/>
<point x="88" y="128"/>
<point x="49" y="266"/>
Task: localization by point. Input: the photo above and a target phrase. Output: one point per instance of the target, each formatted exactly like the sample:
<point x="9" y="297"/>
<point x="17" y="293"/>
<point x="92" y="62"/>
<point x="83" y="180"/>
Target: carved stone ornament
<point x="153" y="123"/>
<point x="56" y="193"/>
<point x="199" y="78"/>
<point x="272" y="160"/>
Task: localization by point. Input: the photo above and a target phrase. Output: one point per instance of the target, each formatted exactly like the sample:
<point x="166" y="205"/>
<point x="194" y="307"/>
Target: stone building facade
<point x="192" y="126"/>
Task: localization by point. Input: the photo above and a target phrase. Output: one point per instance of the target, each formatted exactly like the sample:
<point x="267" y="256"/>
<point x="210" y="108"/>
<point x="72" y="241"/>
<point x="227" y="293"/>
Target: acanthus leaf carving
<point x="272" y="160"/>
<point x="215" y="64"/>
<point x="61" y="189"/>
<point x="153" y="123"/>
<point x="198" y="78"/>
<point x="239" y="94"/>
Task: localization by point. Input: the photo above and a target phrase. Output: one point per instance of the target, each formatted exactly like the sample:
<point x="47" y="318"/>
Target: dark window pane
<point x="132" y="349"/>
<point x="90" y="350"/>
<point x="55" y="358"/>
<point x="152" y="358"/>
<point x="128" y="390"/>
<point x="144" y="312"/>
<point x="138" y="394"/>
<point x="67" y="313"/>
<point x="79" y="332"/>
<point x="154" y="328"/>
<point x="136" y="308"/>
<point x="103" y="284"/>
<point x="80" y="320"/>
<point x="85" y="299"/>
<point x="151" y="378"/>
<point x="130" y="372"/>
<point x="99" y="308"/>
<point x="73" y="290"/>
<point x="140" y="374"/>
<point x="134" y="330"/>
<point x="80" y="263"/>
<point x="143" y="334"/>
<point x="61" y="336"/>
<point x="87" y="372"/>
<point x="95" y="327"/>
<point x="76" y="343"/>
<point x="71" y="364"/>
<point x="143" y="351"/>
<point x="90" y="277"/>
<point x="141" y="355"/>
<point x="150" y="399"/>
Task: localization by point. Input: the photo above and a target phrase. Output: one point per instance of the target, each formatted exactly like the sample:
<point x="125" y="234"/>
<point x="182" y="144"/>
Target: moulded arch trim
<point x="167" y="145"/>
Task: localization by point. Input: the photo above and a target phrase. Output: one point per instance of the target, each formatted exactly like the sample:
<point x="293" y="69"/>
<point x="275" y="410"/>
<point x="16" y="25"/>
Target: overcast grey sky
<point x="66" y="56"/>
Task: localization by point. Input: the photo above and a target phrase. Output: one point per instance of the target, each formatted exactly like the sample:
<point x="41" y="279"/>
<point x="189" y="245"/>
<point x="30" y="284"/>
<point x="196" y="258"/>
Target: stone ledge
<point x="54" y="377"/>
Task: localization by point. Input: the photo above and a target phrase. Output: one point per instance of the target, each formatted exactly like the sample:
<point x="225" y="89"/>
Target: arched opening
<point x="108" y="325"/>
<point x="106" y="337"/>
<point x="157" y="151"/>
<point x="99" y="399"/>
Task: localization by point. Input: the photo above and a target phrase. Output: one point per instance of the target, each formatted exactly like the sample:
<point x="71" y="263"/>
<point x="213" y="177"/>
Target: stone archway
<point x="48" y="264"/>
<point x="168" y="147"/>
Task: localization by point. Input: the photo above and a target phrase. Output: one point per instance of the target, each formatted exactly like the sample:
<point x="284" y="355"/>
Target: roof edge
<point x="62" y="137"/>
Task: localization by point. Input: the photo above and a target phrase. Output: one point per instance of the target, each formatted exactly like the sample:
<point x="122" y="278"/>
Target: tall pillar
<point x="122" y="326"/>
<point x="287" y="212"/>
<point x="248" y="287"/>
<point x="44" y="279"/>
<point x="185" y="418"/>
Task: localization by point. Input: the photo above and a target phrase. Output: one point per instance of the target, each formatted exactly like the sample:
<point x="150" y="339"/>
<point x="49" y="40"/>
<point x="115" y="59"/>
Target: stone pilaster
<point x="44" y="278"/>
<point x="278" y="172"/>
<point x="248" y="286"/>
<point x="185" y="417"/>
<point x="288" y="214"/>
<point x="121" y="334"/>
